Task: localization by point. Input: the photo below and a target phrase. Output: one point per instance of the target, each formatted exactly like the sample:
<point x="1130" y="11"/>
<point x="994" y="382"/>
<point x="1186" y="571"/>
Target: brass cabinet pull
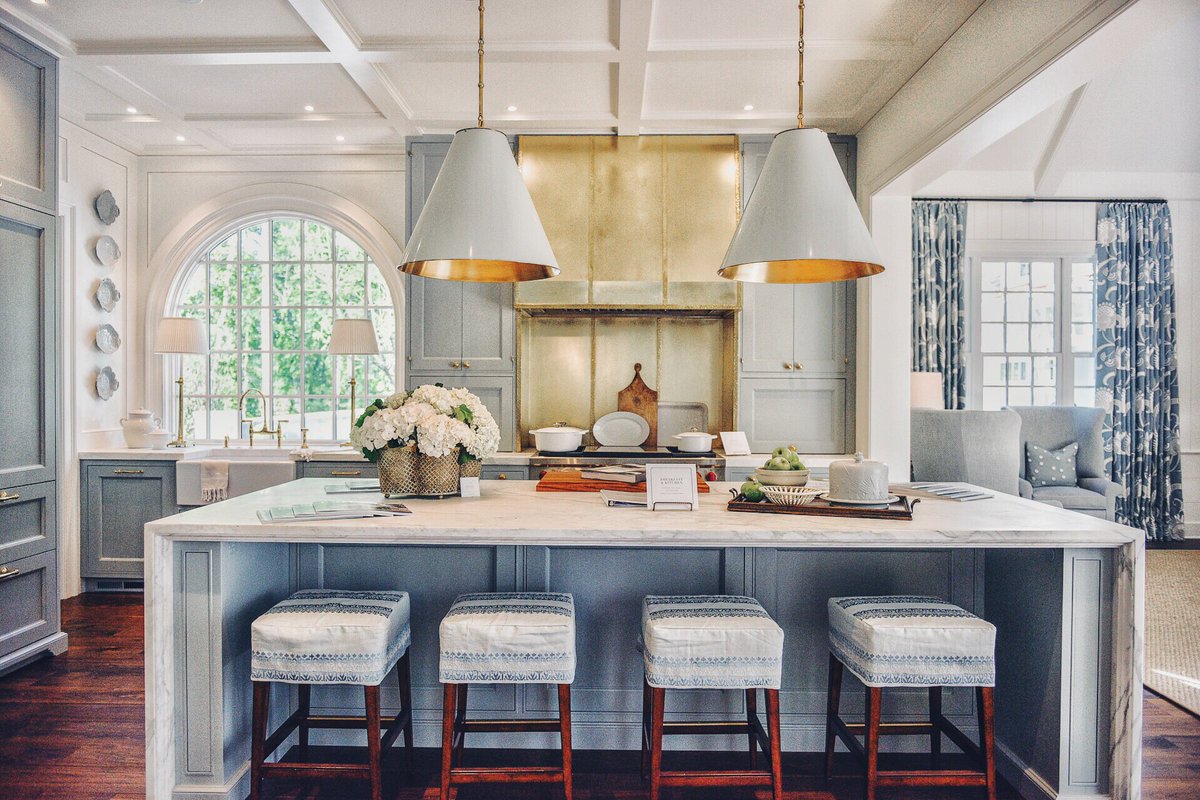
<point x="787" y="365"/>
<point x="466" y="364"/>
<point x="345" y="473"/>
<point x="6" y="573"/>
<point x="799" y="365"/>
<point x="5" y="497"/>
<point x="455" y="364"/>
<point x="129" y="472"/>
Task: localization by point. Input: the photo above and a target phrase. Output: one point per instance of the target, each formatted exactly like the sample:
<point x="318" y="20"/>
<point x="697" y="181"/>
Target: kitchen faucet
<point x="241" y="407"/>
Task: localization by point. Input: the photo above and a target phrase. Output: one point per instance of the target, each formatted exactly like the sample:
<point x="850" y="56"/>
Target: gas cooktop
<point x="632" y="453"/>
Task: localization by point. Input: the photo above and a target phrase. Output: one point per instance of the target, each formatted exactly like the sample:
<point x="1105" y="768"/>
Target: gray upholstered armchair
<point x="1054" y="427"/>
<point x="979" y="447"/>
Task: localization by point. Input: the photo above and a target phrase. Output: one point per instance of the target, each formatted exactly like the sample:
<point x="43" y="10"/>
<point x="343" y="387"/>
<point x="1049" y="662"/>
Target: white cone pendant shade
<point x="479" y="223"/>
<point x="801" y="224"/>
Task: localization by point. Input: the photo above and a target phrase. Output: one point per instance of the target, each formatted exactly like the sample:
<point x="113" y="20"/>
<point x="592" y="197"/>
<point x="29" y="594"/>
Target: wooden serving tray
<point x="572" y="480"/>
<point x="902" y="509"/>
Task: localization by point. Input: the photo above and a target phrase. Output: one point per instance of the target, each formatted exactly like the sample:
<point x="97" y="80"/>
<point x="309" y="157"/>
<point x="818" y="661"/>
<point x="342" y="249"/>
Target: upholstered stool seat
<point x="710" y="642"/>
<point x="325" y="636"/>
<point x="912" y="641"/>
<point x="505" y="637"/>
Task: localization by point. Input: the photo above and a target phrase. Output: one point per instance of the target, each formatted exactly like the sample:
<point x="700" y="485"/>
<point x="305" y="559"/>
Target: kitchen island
<point x="1064" y="590"/>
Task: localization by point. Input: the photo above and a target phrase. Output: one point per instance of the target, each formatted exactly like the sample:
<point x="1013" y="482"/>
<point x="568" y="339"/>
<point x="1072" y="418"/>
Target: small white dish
<point x="891" y="498"/>
<point x="107" y="251"/>
<point x="106" y="383"/>
<point x="781" y="477"/>
<point x="107" y="339"/>
<point x="621" y="429"/>
<point x="106" y="207"/>
<point x="107" y="295"/>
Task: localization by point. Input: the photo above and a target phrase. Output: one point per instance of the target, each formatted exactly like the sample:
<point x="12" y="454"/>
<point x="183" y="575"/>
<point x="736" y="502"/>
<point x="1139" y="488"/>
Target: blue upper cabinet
<point x="29" y="145"/>
<point x="454" y="327"/>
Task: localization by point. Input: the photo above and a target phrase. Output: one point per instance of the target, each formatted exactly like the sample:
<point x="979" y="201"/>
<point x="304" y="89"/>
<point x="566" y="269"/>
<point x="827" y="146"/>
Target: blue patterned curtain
<point x="1136" y="376"/>
<point x="939" y="324"/>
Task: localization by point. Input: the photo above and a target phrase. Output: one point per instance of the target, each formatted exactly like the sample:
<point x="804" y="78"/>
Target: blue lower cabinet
<point x="498" y="472"/>
<point x="118" y="499"/>
<point x="351" y="470"/>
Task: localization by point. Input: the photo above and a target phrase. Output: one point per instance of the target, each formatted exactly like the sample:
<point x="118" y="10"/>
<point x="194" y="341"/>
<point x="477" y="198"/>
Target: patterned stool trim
<point x="330" y="636"/>
<point x="508" y="637"/>
<point x="710" y="642"/>
<point x="912" y="640"/>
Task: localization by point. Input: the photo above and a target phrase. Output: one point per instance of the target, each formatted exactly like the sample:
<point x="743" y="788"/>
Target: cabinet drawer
<point x="118" y="500"/>
<point x="497" y="472"/>
<point x="29" y="597"/>
<point x="28" y="521"/>
<point x="337" y="469"/>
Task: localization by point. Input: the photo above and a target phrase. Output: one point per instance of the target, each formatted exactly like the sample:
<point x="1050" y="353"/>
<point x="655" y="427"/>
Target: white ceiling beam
<point x="1052" y="166"/>
<point x="336" y="37"/>
<point x="633" y="41"/>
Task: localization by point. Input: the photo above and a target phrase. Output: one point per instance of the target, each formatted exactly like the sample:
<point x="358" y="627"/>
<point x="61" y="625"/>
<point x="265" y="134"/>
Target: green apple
<point x="794" y="460"/>
<point x="779" y="463"/>
<point x="779" y="451"/>
<point x="752" y="491"/>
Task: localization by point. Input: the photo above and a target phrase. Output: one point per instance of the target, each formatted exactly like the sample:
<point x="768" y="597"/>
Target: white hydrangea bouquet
<point x="425" y="440"/>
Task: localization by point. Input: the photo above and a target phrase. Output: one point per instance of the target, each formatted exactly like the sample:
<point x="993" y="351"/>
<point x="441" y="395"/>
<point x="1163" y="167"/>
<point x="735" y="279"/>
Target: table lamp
<point x="353" y="337"/>
<point x="926" y="390"/>
<point x="180" y="336"/>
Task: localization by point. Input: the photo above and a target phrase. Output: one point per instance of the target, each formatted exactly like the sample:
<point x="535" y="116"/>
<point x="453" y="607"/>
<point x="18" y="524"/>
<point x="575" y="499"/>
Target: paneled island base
<point x="1064" y="590"/>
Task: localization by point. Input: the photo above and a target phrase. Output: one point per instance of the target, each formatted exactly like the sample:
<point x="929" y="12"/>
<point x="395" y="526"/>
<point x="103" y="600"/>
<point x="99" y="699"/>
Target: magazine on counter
<point x="615" y="499"/>
<point x="352" y="486"/>
<point x="625" y="473"/>
<point x="330" y="509"/>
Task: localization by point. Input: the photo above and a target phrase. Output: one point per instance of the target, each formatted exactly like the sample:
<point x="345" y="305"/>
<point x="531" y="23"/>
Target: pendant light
<point x="479" y="223"/>
<point x="801" y="224"/>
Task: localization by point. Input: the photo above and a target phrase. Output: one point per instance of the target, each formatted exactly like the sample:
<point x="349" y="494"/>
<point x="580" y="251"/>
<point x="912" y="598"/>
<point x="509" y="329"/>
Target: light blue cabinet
<point x="117" y="499"/>
<point x="350" y="470"/>
<point x="807" y="412"/>
<point x="29" y="124"/>
<point x="498" y="393"/>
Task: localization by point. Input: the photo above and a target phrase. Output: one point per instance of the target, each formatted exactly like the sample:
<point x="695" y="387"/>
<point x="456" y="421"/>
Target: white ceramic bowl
<point x="781" y="477"/>
<point x="157" y="440"/>
<point x="790" y="495"/>
<point x="558" y="438"/>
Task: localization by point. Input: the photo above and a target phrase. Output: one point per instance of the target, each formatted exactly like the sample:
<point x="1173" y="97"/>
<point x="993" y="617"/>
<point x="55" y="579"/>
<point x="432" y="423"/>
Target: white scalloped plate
<point x="107" y="339"/>
<point x="106" y="383"/>
<point x="107" y="251"/>
<point x="107" y="295"/>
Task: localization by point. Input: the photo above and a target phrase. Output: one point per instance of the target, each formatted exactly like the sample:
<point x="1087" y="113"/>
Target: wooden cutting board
<point x="643" y="401"/>
<point x="572" y="480"/>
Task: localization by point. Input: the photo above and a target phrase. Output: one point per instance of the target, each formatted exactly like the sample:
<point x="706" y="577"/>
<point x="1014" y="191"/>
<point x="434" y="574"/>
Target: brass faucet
<point x="241" y="407"/>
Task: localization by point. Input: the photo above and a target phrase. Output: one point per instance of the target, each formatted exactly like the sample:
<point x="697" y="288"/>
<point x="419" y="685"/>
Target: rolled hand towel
<point x="214" y="481"/>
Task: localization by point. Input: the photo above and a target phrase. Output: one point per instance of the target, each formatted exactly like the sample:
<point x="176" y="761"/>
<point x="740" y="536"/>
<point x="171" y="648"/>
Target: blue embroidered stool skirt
<point x="911" y="641"/>
<point x="711" y="642"/>
<point x="505" y="637"/>
<point x="320" y="636"/>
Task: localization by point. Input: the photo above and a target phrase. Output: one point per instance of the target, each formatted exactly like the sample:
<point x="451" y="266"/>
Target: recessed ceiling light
<point x="747" y="107"/>
<point x="309" y="108"/>
<point x="340" y="138"/>
<point x="181" y="138"/>
<point x="130" y="110"/>
<point x="512" y="108"/>
<point x="38" y="2"/>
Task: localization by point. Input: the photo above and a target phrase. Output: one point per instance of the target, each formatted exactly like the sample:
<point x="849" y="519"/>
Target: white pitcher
<point x="136" y="427"/>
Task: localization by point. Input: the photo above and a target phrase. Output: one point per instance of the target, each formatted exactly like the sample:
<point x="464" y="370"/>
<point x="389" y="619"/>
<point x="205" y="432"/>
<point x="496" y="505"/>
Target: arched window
<point x="269" y="293"/>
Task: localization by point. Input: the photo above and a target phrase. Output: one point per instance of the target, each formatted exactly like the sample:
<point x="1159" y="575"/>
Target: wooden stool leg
<point x="646" y="704"/>
<point x="305" y="701"/>
<point x="751" y="713"/>
<point x="564" y="729"/>
<point x="874" y="696"/>
<point x="372" y="713"/>
<point x="449" y="695"/>
<point x="834" y="696"/>
<point x="776" y="749"/>
<point x="658" y="701"/>
<point x="461" y="718"/>
<point x="987" y="735"/>
<point x="258" y="736"/>
<point x="935" y="718"/>
<point x="404" y="679"/>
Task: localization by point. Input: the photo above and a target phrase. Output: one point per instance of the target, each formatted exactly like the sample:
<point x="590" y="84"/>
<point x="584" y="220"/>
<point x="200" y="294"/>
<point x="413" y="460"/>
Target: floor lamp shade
<point x="926" y="390"/>
<point x="479" y="222"/>
<point x="801" y="224"/>
<point x="181" y="335"/>
<point x="353" y="337"/>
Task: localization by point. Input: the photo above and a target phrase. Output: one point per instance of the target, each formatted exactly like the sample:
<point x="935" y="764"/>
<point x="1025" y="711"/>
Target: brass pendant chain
<point x="800" y="81"/>
<point x="480" y="120"/>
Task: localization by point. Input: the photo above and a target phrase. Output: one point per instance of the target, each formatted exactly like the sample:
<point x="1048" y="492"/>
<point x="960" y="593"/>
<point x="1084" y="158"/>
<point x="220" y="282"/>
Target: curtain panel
<point x="939" y="332"/>
<point x="1136" y="380"/>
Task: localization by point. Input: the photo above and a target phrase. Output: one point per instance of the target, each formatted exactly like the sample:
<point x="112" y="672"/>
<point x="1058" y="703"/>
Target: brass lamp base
<point x="179" y="440"/>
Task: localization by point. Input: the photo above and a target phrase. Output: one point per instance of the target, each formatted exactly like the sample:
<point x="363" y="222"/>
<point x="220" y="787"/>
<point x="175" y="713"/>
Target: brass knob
<point x="455" y="364"/>
<point x="466" y="364"/>
<point x="501" y="477"/>
<point x="799" y="365"/>
<point x="787" y="365"/>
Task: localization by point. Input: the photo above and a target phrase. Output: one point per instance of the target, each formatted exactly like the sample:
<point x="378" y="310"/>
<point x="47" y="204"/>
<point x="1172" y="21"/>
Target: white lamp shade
<point x="801" y="224"/>
<point x="479" y="222"/>
<point x="925" y="391"/>
<point x="181" y="335"/>
<point x="353" y="337"/>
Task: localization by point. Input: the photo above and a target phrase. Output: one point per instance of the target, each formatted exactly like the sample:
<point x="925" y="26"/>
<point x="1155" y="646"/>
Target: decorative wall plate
<point x="107" y="339"/>
<point x="106" y="383"/>
<point x="107" y="295"/>
<point x="106" y="207"/>
<point x="107" y="251"/>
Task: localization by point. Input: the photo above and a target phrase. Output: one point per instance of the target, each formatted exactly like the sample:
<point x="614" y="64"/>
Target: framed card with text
<point x="672" y="487"/>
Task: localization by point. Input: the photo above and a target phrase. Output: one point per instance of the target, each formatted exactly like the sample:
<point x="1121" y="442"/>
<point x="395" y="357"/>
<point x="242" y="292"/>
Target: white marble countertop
<point x="512" y="513"/>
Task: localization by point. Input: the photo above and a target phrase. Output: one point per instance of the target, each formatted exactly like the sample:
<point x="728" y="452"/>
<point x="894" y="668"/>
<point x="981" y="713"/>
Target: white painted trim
<point x="236" y="788"/>
<point x="1015" y="248"/>
<point x="1028" y="782"/>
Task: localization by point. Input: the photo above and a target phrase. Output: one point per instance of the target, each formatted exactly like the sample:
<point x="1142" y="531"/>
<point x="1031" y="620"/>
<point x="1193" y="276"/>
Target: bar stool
<point x="323" y="637"/>
<point x="911" y="641"/>
<point x="505" y="637"/>
<point x="711" y="642"/>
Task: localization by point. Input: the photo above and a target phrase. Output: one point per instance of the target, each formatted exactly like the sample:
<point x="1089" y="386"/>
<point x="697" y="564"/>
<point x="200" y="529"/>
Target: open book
<point x="330" y="509"/>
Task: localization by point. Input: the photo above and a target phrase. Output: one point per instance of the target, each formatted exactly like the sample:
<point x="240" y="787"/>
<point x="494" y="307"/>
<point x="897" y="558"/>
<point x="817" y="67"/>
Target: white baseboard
<point x="236" y="788"/>
<point x="1028" y="782"/>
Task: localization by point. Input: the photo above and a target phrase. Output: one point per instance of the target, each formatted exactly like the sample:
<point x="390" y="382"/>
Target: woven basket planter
<point x="404" y="470"/>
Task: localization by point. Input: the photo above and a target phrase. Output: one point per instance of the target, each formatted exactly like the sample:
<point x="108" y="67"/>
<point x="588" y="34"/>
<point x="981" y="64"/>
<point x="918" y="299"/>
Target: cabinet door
<point x="28" y="521"/>
<point x="29" y="597"/>
<point x="820" y="328"/>
<point x="119" y="500"/>
<point x="489" y="329"/>
<point x="768" y="326"/>
<point x="28" y="124"/>
<point x="807" y="412"/>
<point x="435" y="324"/>
<point x="499" y="472"/>
<point x="27" y="307"/>
<point x="498" y="393"/>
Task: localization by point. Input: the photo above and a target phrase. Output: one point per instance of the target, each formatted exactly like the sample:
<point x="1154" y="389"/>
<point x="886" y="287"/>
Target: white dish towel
<point x="214" y="481"/>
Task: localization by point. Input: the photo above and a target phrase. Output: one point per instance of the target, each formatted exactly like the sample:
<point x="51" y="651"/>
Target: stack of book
<point x="330" y="509"/>
<point x="621" y="473"/>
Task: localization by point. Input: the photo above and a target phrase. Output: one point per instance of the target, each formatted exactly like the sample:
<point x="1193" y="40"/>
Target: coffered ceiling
<point x="233" y="76"/>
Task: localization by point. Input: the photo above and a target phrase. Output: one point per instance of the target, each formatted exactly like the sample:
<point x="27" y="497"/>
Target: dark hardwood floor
<point x="71" y="728"/>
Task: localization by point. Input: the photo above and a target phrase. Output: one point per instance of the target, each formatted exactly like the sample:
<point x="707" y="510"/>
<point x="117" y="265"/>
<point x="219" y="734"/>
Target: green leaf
<point x="464" y="414"/>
